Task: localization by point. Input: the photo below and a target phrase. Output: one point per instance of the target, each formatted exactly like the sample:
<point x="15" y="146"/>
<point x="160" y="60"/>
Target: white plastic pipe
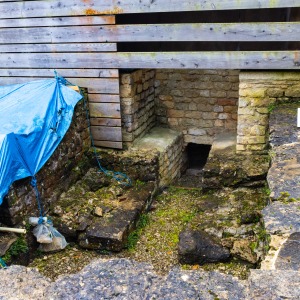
<point x="16" y="230"/>
<point x="298" y="118"/>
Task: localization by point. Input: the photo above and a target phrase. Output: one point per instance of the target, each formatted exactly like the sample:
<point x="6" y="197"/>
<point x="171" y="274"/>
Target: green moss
<point x="18" y="247"/>
<point x="135" y="235"/>
<point x="286" y="198"/>
<point x="271" y="107"/>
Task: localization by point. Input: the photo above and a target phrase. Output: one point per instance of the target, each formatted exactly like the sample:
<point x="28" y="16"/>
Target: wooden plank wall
<point x="65" y="37"/>
<point x="79" y="39"/>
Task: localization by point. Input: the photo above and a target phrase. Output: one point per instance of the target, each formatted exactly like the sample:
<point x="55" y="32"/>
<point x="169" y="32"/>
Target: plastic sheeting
<point x="34" y="117"/>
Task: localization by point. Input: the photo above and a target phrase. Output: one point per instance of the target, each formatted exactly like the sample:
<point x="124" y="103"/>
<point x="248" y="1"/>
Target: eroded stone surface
<point x="282" y="218"/>
<point x="113" y="279"/>
<point x="125" y="279"/>
<point x="21" y="283"/>
<point x="284" y="174"/>
<point x="274" y="284"/>
<point x="225" y="168"/>
<point x="289" y="255"/>
<point x="199" y="247"/>
<point x="212" y="285"/>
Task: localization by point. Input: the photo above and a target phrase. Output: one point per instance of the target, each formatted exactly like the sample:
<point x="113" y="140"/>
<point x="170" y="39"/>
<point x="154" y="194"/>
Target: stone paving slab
<point x="274" y="285"/>
<point x="289" y="255"/>
<point x="282" y="218"/>
<point x="21" y="283"/>
<point x="124" y="279"/>
<point x="284" y="174"/>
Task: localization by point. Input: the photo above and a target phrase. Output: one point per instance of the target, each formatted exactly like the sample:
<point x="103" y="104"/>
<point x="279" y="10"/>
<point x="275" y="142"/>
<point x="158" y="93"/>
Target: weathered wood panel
<point x="103" y="98"/>
<point x="108" y="144"/>
<point x="105" y="110"/>
<point x="102" y="133"/>
<point x="226" y="32"/>
<point x="39" y="48"/>
<point x="69" y="34"/>
<point x="94" y="85"/>
<point x="144" y="60"/>
<point x="255" y="32"/>
<point x="248" y="32"/>
<point x="29" y="9"/>
<point x="55" y="22"/>
<point x="105" y="122"/>
<point x="67" y="73"/>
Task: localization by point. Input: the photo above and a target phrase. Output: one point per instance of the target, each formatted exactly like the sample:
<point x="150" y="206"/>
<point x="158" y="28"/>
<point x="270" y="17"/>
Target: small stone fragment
<point x="242" y="248"/>
<point x="199" y="247"/>
<point x="98" y="211"/>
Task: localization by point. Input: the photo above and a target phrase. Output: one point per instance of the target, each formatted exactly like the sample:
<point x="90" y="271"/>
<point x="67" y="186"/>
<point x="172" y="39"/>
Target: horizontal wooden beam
<point x="46" y="8"/>
<point x="94" y="85"/>
<point x="78" y="47"/>
<point x="105" y="122"/>
<point x="103" y="133"/>
<point x="105" y="110"/>
<point x="108" y="144"/>
<point x="56" y="21"/>
<point x="67" y="73"/>
<point x="242" y="32"/>
<point x="249" y="32"/>
<point x="104" y="98"/>
<point x="159" y="60"/>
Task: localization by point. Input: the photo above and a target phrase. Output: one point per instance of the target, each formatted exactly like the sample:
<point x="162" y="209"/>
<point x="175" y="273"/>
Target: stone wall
<point x="168" y="144"/>
<point x="199" y="103"/>
<point x="137" y="104"/>
<point x="65" y="166"/>
<point x="258" y="94"/>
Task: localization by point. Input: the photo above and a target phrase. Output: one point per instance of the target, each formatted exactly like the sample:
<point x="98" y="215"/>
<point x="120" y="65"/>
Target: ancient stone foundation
<point x="259" y="92"/>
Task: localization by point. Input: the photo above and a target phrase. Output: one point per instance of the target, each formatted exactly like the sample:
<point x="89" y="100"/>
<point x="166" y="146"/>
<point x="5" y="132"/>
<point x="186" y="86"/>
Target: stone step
<point x="169" y="144"/>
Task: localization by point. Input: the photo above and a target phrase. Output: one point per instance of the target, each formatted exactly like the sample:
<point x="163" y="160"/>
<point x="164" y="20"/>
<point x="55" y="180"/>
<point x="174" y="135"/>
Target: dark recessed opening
<point x="197" y="155"/>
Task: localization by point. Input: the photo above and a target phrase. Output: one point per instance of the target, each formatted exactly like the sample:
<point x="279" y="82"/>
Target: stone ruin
<point x="168" y="117"/>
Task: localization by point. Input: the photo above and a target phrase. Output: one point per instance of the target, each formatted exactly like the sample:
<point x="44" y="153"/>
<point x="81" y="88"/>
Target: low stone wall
<point x="168" y="144"/>
<point x="137" y="104"/>
<point x="258" y="94"/>
<point x="65" y="166"/>
<point x="198" y="103"/>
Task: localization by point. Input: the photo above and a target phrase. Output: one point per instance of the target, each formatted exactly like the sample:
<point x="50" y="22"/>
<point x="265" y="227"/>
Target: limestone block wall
<point x="137" y="104"/>
<point x="171" y="160"/>
<point x="258" y="93"/>
<point x="168" y="144"/>
<point x="65" y="166"/>
<point x="198" y="103"/>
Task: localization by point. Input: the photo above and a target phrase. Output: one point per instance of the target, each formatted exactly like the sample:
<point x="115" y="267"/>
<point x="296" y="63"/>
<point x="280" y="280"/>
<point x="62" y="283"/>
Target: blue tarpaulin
<point x="34" y="117"/>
